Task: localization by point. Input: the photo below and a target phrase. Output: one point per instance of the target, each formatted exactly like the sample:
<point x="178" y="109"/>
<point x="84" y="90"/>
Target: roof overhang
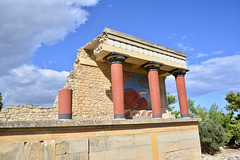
<point x="140" y="51"/>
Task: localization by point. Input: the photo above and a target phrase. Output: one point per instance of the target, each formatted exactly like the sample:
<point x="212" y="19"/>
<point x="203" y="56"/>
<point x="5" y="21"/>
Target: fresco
<point x="136" y="95"/>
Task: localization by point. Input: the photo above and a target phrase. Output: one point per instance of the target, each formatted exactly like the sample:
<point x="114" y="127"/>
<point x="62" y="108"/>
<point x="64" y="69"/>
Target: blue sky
<point x="39" y="42"/>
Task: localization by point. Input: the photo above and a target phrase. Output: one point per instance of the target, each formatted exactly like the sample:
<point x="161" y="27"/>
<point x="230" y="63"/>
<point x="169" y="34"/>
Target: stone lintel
<point x="139" y="50"/>
<point x="92" y="123"/>
<point x="125" y="36"/>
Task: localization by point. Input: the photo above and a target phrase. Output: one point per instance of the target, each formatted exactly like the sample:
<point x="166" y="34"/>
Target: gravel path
<point x="226" y="154"/>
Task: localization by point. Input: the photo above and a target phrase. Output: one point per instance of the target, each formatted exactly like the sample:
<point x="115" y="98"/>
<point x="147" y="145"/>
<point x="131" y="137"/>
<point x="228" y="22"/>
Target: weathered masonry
<point x="112" y="107"/>
<point x="120" y="76"/>
<point x="139" y="139"/>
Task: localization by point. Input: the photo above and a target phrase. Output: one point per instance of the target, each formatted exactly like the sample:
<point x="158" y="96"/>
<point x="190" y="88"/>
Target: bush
<point x="212" y="136"/>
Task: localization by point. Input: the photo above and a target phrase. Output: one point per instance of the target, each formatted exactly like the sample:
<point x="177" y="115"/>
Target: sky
<point x="39" y="42"/>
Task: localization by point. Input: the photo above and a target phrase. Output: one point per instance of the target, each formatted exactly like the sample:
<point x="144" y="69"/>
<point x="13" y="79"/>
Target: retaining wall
<point x="139" y="139"/>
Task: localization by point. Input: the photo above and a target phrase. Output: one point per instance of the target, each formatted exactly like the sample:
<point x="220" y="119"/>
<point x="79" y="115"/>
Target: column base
<point x="64" y="116"/>
<point x="116" y="116"/>
<point x="185" y="116"/>
<point x="156" y="115"/>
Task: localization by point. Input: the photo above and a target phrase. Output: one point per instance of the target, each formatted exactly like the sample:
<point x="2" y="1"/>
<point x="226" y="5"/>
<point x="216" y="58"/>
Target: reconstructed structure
<point x="113" y="106"/>
<point x="128" y="73"/>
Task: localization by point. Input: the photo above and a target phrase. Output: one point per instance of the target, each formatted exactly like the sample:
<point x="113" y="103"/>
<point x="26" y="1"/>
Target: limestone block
<point x="25" y="110"/>
<point x="3" y="119"/>
<point x="33" y="150"/>
<point x="173" y="155"/>
<point x="49" y="150"/>
<point x="76" y="156"/>
<point x="191" y="143"/>
<point x="169" y="147"/>
<point x="142" y="139"/>
<point x="11" y="151"/>
<point x="129" y="153"/>
<point x="78" y="145"/>
<point x="97" y="155"/>
<point x="172" y="136"/>
<point x="176" y="141"/>
<point x="62" y="147"/>
<point x="122" y="141"/>
<point x="2" y="115"/>
<point x="190" y="154"/>
<point x="4" y="110"/>
<point x="98" y="144"/>
<point x="11" y="111"/>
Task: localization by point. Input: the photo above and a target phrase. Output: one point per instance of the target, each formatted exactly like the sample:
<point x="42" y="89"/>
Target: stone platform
<point x="108" y="139"/>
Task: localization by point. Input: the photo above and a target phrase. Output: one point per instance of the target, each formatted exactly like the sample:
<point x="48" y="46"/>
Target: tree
<point x="171" y="99"/>
<point x="233" y="125"/>
<point x="1" y="104"/>
<point x="234" y="102"/>
<point x="198" y="111"/>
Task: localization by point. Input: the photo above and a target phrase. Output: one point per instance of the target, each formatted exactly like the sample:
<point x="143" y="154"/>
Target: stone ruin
<point x="112" y="107"/>
<point x="137" y="68"/>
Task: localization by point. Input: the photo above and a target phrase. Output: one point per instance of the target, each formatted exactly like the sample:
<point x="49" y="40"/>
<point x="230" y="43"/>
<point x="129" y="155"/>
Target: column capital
<point x="179" y="72"/>
<point x="152" y="66"/>
<point x="115" y="57"/>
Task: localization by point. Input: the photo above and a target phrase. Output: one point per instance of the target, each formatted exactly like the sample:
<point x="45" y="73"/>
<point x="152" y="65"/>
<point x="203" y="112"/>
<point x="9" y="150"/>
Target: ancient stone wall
<point x="91" y="97"/>
<point x="91" y="86"/>
<point x="165" y="139"/>
<point x="28" y="113"/>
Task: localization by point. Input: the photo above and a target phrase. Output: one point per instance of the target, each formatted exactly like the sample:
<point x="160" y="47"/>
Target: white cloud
<point x="185" y="48"/>
<point x="218" y="52"/>
<point x="199" y="55"/>
<point x="216" y="75"/>
<point x="29" y="84"/>
<point x="25" y="25"/>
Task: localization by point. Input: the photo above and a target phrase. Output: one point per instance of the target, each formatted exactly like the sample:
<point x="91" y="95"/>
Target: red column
<point x="152" y="68"/>
<point x="116" y="62"/>
<point x="65" y="104"/>
<point x="182" y="94"/>
<point x="155" y="93"/>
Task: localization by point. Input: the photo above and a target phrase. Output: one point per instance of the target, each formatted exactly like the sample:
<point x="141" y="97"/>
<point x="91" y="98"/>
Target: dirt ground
<point x="225" y="154"/>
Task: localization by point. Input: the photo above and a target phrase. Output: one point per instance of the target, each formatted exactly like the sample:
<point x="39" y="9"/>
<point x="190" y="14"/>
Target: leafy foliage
<point x="230" y="125"/>
<point x="211" y="136"/>
<point x="171" y="99"/>
<point x="233" y="127"/>
<point x="197" y="112"/>
<point x="233" y="100"/>
<point x="217" y="128"/>
<point x="1" y="104"/>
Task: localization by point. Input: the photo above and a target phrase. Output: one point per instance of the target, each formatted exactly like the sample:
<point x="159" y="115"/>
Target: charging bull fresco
<point x="136" y="95"/>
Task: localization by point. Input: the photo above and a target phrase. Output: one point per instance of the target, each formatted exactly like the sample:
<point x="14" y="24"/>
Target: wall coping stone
<point x="90" y="123"/>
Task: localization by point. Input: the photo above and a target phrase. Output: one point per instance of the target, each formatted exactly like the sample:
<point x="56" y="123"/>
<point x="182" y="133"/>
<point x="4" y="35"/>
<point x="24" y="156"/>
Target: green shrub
<point x="212" y="136"/>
